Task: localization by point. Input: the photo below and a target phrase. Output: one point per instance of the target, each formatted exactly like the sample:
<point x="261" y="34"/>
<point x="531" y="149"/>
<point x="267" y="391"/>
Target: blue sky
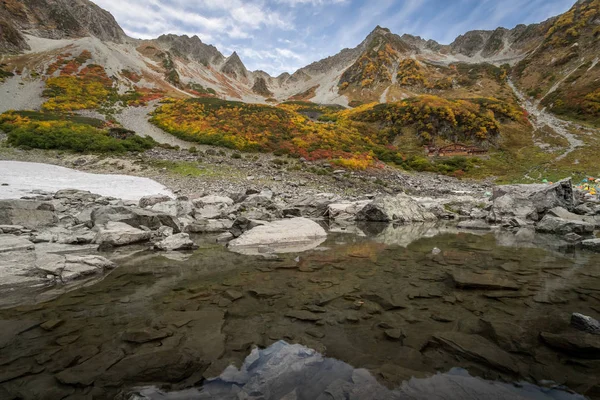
<point x="284" y="35"/>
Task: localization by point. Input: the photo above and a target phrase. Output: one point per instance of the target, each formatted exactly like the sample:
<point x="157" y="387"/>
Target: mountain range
<point x="545" y="59"/>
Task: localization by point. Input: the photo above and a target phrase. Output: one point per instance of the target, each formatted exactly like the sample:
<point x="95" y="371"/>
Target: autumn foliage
<point x="355" y="138"/>
<point x="472" y="120"/>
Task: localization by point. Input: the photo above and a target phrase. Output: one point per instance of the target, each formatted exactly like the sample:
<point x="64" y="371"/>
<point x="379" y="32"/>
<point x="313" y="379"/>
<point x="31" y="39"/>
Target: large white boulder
<point x="284" y="236"/>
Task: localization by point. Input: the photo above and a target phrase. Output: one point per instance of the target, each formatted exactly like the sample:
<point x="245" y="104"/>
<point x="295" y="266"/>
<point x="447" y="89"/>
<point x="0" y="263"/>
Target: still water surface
<point x="360" y="317"/>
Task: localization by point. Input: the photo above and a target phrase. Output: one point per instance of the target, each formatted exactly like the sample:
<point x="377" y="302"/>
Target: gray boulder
<point x="149" y="201"/>
<point x="70" y="267"/>
<point x="243" y="224"/>
<point x="174" y="208"/>
<point x="209" y="226"/>
<point x="28" y="213"/>
<point x="345" y="211"/>
<point x="134" y="216"/>
<point x="585" y="323"/>
<point x="561" y="226"/>
<point x="560" y="212"/>
<point x="211" y="200"/>
<point x="180" y="241"/>
<point x="27" y="268"/>
<point x="12" y="229"/>
<point x="591" y="244"/>
<point x="478" y="225"/>
<point x="75" y="195"/>
<point x="315" y="206"/>
<point x="75" y="235"/>
<point x="14" y="243"/>
<point x="120" y="234"/>
<point x="399" y="208"/>
<point x="530" y="201"/>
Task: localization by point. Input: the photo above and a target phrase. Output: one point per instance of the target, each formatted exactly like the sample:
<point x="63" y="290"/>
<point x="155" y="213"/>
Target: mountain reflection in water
<point x="294" y="372"/>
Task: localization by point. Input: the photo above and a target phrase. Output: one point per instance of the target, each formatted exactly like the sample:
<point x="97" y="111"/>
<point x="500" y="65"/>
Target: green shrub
<point x="66" y="135"/>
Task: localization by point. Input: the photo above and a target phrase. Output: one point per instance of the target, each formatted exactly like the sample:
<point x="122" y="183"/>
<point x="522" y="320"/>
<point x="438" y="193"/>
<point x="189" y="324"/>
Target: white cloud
<point x="295" y="3"/>
<point x="284" y="35"/>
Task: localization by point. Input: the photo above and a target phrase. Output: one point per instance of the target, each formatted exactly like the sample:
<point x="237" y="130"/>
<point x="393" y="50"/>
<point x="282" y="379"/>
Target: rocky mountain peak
<point x="191" y="48"/>
<point x="234" y="66"/>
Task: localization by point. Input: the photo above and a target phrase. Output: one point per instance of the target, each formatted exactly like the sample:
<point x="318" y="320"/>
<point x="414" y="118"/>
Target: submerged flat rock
<point x="488" y="280"/>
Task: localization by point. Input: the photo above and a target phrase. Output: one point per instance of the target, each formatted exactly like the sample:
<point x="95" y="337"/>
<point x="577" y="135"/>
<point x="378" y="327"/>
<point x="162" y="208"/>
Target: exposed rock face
<point x="120" y="234"/>
<point x="192" y="48"/>
<point x="28" y="213"/>
<point x="561" y="226"/>
<point x="24" y="264"/>
<point x="260" y="87"/>
<point x="234" y="67"/>
<point x="585" y="323"/>
<point x="59" y="19"/>
<point x="149" y="201"/>
<point x="345" y="211"/>
<point x="180" y="241"/>
<point x="399" y="208"/>
<point x="209" y="226"/>
<point x="71" y="267"/>
<point x="134" y="216"/>
<point x="530" y="201"/>
<point x="592" y="244"/>
<point x="290" y="235"/>
<point x="174" y="208"/>
<point x="242" y="224"/>
<point x="315" y="206"/>
<point x="14" y="243"/>
<point x="11" y="40"/>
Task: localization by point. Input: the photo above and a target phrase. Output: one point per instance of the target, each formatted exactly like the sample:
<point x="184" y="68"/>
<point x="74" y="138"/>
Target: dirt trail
<point x="540" y="118"/>
<point x="136" y="119"/>
<point x="383" y="97"/>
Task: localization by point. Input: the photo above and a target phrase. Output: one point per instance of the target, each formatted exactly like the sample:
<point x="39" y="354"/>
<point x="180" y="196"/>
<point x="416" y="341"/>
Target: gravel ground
<point x="19" y="94"/>
<point x="218" y="171"/>
<point x="136" y="119"/>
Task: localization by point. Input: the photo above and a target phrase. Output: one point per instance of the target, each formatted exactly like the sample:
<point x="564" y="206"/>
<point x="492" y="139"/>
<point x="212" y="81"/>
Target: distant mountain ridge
<point x="377" y="69"/>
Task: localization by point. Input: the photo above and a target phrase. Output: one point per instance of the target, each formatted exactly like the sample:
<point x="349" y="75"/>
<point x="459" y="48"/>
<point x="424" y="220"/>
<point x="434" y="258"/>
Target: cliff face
<point x="192" y="48"/>
<point x="54" y="19"/>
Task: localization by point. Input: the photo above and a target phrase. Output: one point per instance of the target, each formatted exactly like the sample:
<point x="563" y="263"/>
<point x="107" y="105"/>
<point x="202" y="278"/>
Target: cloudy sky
<point x="283" y="35"/>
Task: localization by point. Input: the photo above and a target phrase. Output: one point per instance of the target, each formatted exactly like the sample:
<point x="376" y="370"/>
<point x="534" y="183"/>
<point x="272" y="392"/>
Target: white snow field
<point x="19" y="179"/>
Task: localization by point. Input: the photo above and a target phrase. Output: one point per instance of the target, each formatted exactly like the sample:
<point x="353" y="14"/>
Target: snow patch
<point x="24" y="177"/>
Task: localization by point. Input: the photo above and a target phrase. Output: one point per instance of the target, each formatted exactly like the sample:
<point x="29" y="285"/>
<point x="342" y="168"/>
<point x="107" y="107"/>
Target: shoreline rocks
<point x="399" y="208"/>
<point x="284" y="236"/>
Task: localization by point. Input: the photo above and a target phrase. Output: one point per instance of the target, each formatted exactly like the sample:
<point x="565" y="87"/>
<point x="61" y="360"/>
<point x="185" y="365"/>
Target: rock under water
<point x="295" y="372"/>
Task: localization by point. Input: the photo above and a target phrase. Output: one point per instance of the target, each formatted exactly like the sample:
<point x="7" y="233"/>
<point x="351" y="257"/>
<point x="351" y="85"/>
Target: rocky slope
<point x="368" y="72"/>
<point x="563" y="72"/>
<point x="54" y="20"/>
